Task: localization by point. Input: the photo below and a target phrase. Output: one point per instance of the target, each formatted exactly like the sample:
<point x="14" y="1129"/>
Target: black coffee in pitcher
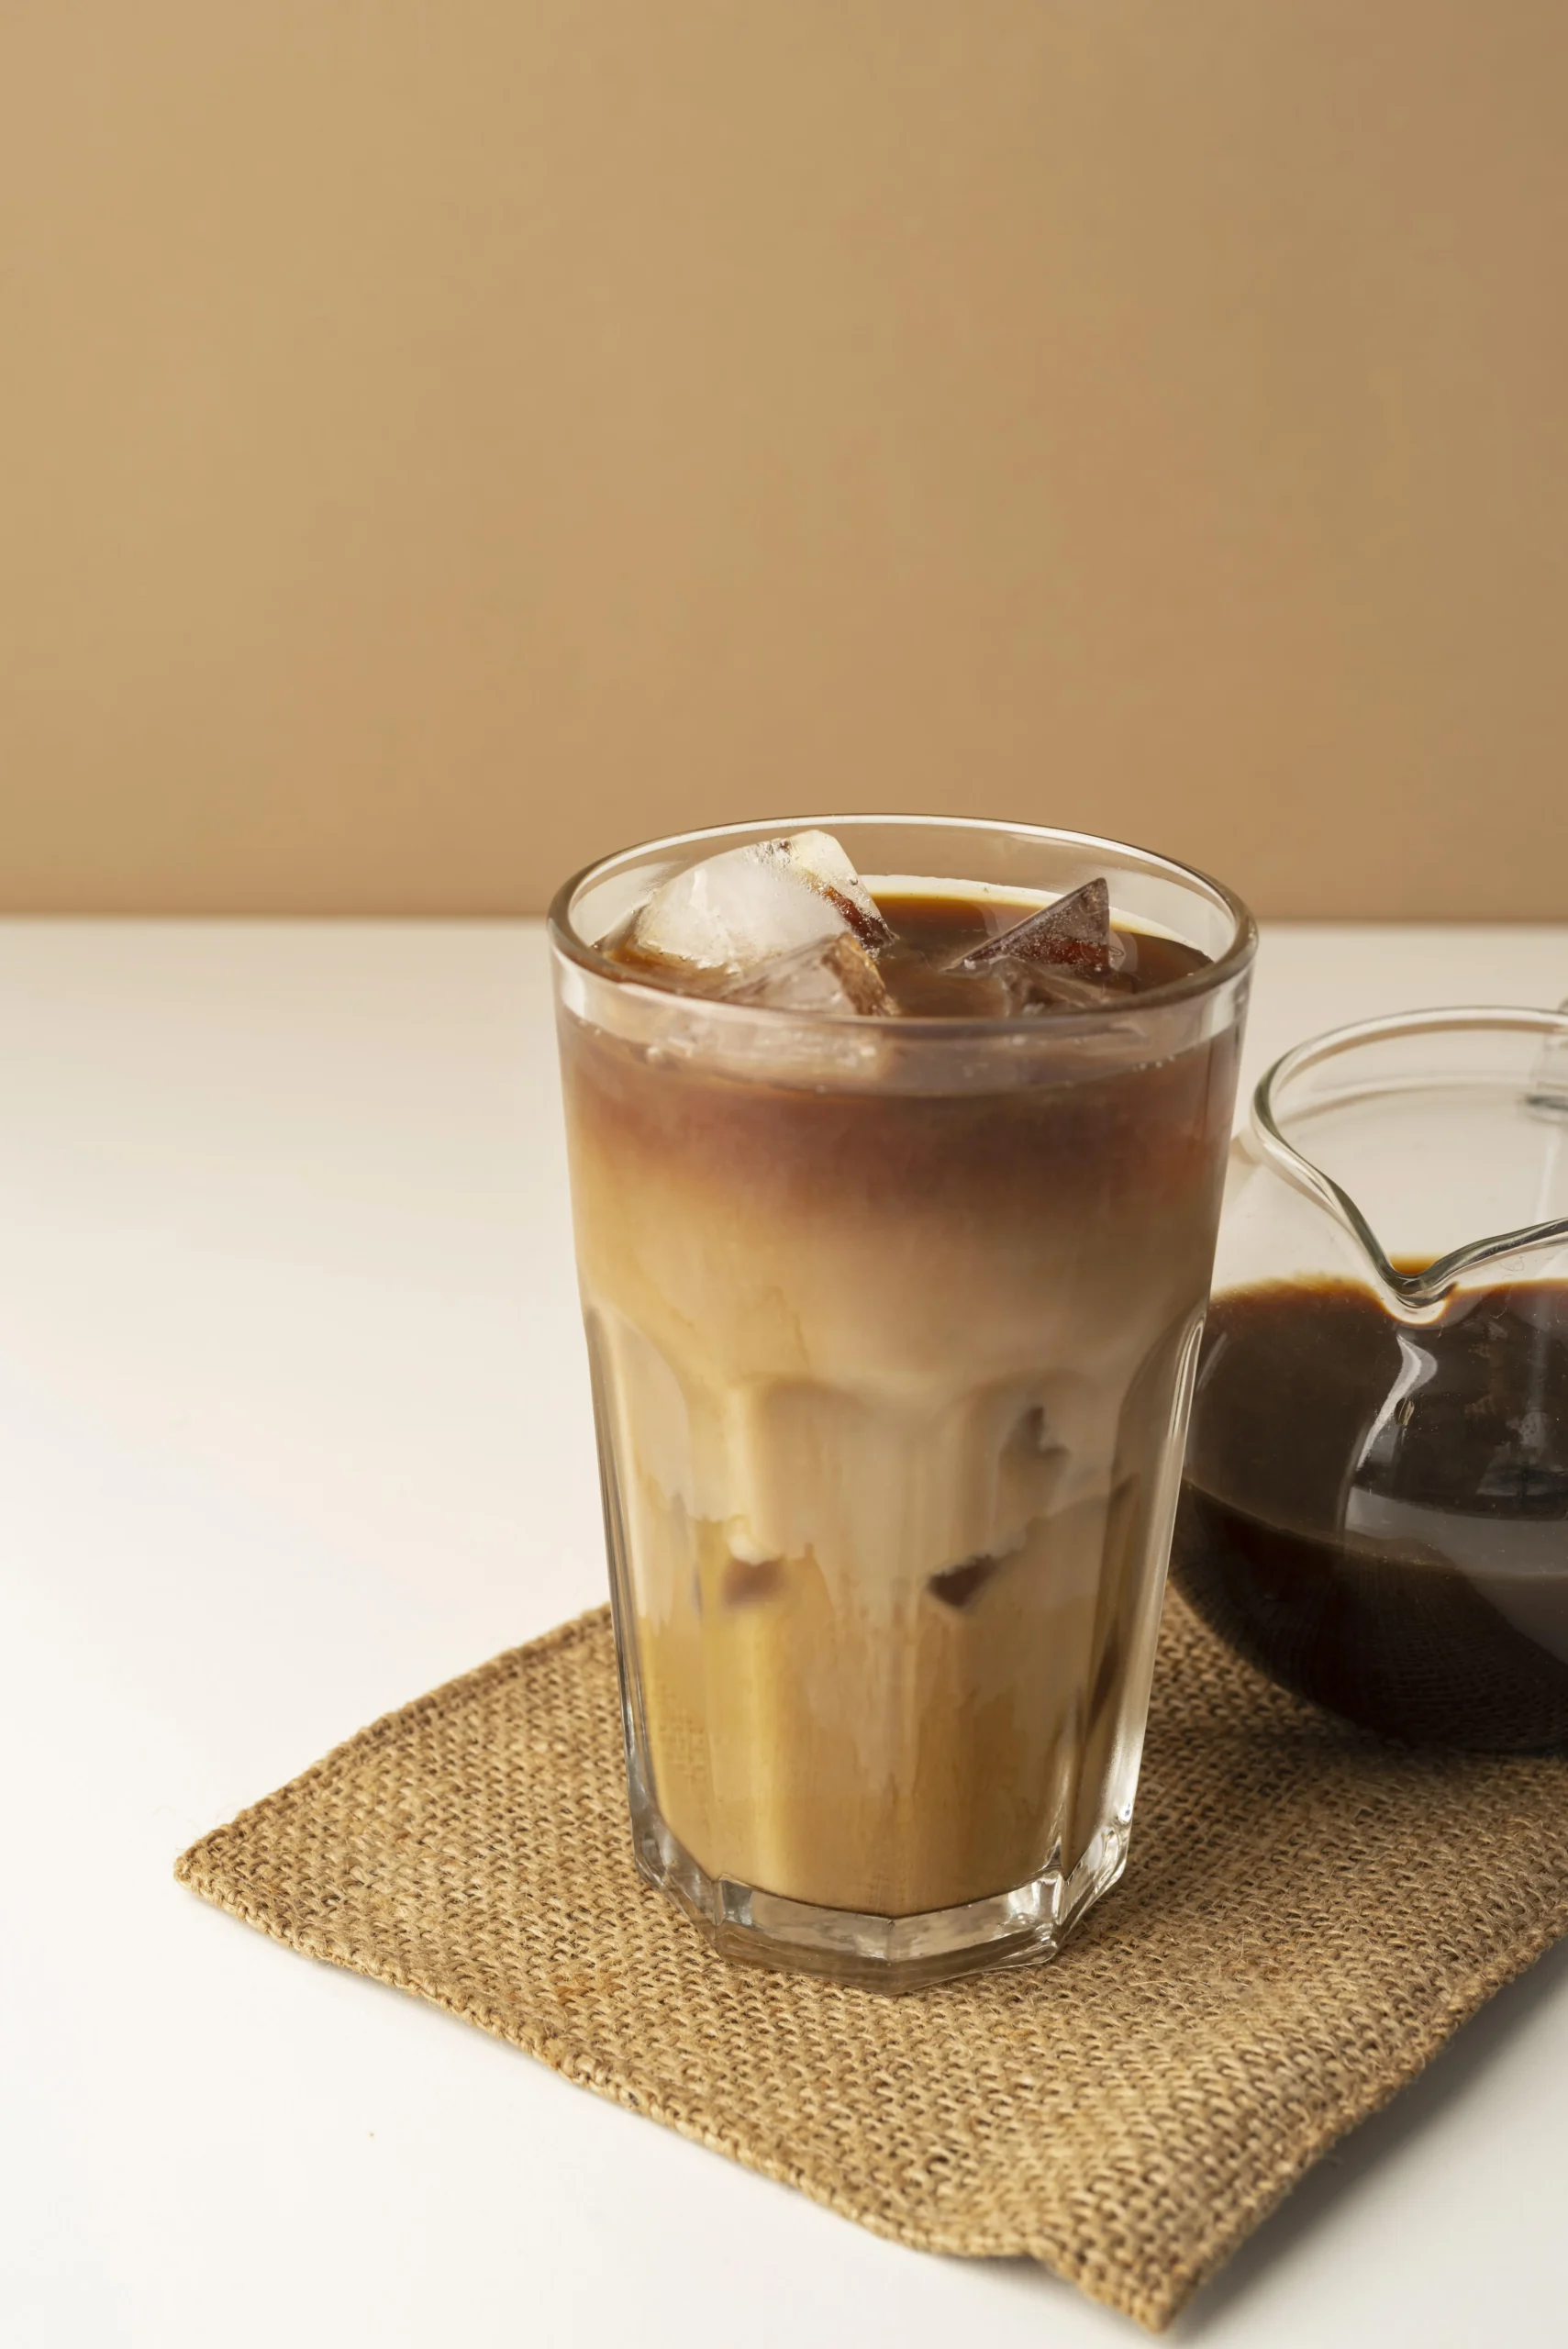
<point x="1377" y="1513"/>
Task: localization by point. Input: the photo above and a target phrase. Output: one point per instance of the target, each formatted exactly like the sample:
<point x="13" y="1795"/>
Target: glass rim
<point x="1431" y="1285"/>
<point x="1209" y="978"/>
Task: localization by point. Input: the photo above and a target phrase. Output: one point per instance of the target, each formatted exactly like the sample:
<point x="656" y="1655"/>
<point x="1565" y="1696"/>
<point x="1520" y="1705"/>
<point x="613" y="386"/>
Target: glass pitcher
<point x="1374" y="1508"/>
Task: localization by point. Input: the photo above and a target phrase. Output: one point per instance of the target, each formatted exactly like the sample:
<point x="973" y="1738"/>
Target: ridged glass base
<point x="1023" y="1927"/>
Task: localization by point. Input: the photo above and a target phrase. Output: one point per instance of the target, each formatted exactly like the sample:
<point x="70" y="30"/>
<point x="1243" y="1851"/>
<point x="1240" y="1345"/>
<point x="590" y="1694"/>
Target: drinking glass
<point x="891" y="1325"/>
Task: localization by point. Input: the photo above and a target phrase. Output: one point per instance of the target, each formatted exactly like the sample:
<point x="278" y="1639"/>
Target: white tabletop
<point x="294" y="1424"/>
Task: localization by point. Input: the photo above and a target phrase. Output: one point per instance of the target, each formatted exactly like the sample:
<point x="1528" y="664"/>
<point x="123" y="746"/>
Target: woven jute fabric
<point x="1308" y="1914"/>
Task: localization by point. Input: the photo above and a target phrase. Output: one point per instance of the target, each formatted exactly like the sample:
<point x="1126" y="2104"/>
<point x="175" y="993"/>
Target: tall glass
<point x="892" y="1326"/>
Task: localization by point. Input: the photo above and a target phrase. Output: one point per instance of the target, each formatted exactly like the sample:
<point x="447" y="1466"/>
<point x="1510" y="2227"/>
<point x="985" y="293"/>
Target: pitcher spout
<point x="1407" y="1154"/>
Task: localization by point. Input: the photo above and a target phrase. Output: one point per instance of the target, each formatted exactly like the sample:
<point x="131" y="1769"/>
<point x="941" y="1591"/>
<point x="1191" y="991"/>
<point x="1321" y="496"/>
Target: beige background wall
<point x="441" y="439"/>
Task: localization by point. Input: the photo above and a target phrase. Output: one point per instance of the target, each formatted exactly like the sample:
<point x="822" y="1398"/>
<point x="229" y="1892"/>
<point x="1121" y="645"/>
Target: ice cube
<point x="745" y="1581"/>
<point x="1074" y="933"/>
<point x="822" y="859"/>
<point x="832" y="977"/>
<point x="1038" y="987"/>
<point x="956" y="1586"/>
<point x="749" y="905"/>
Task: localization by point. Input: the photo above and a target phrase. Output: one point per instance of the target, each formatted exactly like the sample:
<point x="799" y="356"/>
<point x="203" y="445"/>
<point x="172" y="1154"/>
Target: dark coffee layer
<point x="1377" y="1515"/>
<point x="1129" y="1140"/>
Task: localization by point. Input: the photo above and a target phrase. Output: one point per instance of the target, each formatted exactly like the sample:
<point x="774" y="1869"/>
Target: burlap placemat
<point x="1307" y="1916"/>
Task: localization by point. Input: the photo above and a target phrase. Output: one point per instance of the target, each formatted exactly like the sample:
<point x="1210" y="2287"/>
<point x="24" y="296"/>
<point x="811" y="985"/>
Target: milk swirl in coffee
<point x="886" y="1372"/>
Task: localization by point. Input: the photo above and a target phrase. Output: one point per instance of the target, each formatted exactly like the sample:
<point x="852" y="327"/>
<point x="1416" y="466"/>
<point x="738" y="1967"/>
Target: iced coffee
<point x="896" y="1160"/>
